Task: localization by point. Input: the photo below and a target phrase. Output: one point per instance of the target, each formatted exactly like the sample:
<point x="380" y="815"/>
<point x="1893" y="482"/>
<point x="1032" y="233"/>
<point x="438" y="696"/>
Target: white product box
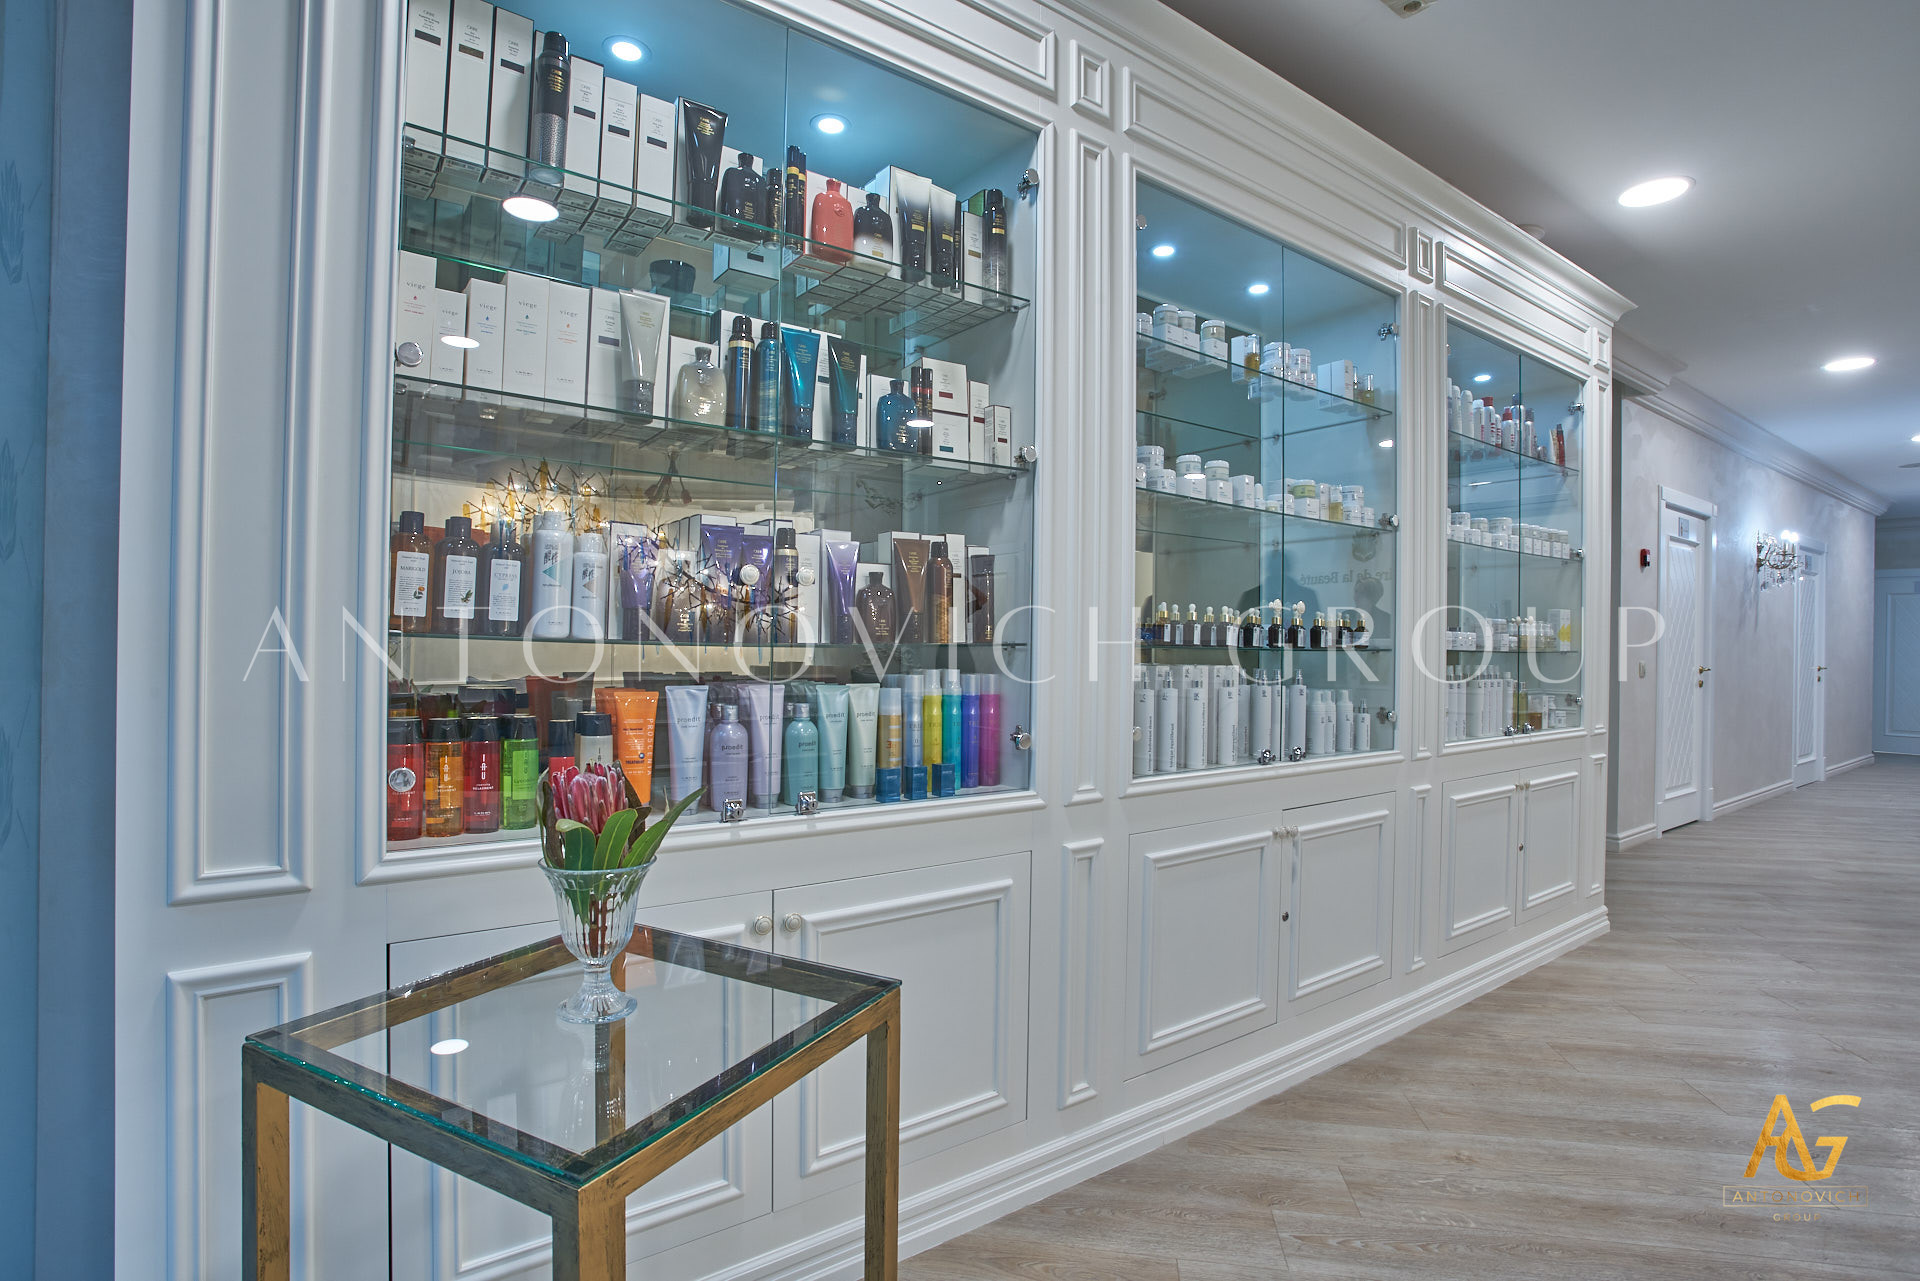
<point x="509" y="100"/>
<point x="973" y="257"/>
<point x="813" y="586"/>
<point x="447" y="364"/>
<point x="902" y="189"/>
<point x="486" y="325"/>
<point x="606" y="353"/>
<point x="746" y="270"/>
<point x="619" y="110"/>
<point x="950" y="436"/>
<point x="429" y="25"/>
<point x="873" y="387"/>
<point x="413" y="311"/>
<point x="1000" y="435"/>
<point x="469" y="79"/>
<point x="949" y="384"/>
<point x="1340" y="377"/>
<point x="525" y="362"/>
<point x="979" y="396"/>
<point x="578" y="188"/>
<point x="569" y="321"/>
<point x="653" y="156"/>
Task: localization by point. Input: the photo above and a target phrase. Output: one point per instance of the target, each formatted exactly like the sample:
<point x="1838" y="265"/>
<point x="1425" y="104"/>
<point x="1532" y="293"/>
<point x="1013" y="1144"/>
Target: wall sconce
<point x="1776" y="559"/>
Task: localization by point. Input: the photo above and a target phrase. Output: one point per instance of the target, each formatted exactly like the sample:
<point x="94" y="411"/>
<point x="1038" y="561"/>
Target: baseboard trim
<point x="1855" y="763"/>
<point x="942" y="1213"/>
<point x="1754" y="797"/>
<point x="1618" y="841"/>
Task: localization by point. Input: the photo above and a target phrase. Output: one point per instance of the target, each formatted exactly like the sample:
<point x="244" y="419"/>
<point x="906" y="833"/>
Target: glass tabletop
<point x="480" y="1052"/>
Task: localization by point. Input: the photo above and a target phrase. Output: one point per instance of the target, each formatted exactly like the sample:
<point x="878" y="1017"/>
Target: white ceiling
<point x="1798" y="122"/>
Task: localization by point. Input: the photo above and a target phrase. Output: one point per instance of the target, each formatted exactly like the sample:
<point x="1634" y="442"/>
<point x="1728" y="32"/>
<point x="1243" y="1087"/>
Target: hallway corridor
<point x="1581" y="1121"/>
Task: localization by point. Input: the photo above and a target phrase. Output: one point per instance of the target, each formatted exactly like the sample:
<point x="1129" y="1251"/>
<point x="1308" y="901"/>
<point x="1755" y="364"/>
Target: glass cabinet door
<point x="1515" y="570"/>
<point x="1266" y="492"/>
<point x="708" y="427"/>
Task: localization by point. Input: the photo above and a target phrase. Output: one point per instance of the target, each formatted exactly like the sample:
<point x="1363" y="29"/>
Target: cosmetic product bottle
<point x="1260" y="722"/>
<point x="1343" y="725"/>
<point x="832" y="224"/>
<point x="801" y="754"/>
<point x="893" y="418"/>
<point x="480" y="804"/>
<point x="913" y="767"/>
<point x="970" y="731"/>
<point x="1342" y="630"/>
<point x="1143" y="726"/>
<point x="1193" y="632"/>
<point x="1274" y="634"/>
<point x="889" y="746"/>
<point x="740" y="196"/>
<point x="1250" y="629"/>
<point x="519" y="772"/>
<point x="1362" y="729"/>
<point x="1319" y="741"/>
<point x="1193" y="723"/>
<point x="795" y="204"/>
<point x="997" y="276"/>
<point x="1317" y="637"/>
<point x="1296" y="717"/>
<point x="940" y="595"/>
<point x="989" y="730"/>
<point x="765" y="415"/>
<point x="410" y="569"/>
<point x="1163" y="626"/>
<point x="502" y="573"/>
<point x="593" y="740"/>
<point x="873" y="230"/>
<point x="952" y="733"/>
<point x="833" y="705"/>
<point x="771" y="214"/>
<point x="801" y="350"/>
<point x="446" y="777"/>
<point x="783" y="587"/>
<point x="699" y="391"/>
<point x="923" y="396"/>
<point x="703" y="136"/>
<point x="1166" y="720"/>
<point x="560" y="753"/>
<point x="740" y="375"/>
<point x="846" y="372"/>
<point x="1220" y="717"/>
<point x="406" y="782"/>
<point x="456" y="578"/>
<point x="589" y="620"/>
<point x="932" y="712"/>
<point x="1209" y="629"/>
<point x="547" y="112"/>
<point x="726" y="761"/>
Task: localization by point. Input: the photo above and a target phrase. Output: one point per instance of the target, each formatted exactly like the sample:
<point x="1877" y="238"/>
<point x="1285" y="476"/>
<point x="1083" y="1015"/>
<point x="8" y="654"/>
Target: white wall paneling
<point x="1550" y="836"/>
<point x="1420" y="848"/>
<point x="1081" y="968"/>
<point x="1480" y="845"/>
<point x="1340" y="898"/>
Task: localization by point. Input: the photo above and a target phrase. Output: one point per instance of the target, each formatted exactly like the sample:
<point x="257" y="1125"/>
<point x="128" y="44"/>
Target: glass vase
<point x="596" y="919"/>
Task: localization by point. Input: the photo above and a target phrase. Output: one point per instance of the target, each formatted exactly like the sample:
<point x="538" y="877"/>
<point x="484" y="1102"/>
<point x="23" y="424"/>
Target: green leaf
<point x="578" y="843"/>
<point x="644" y="845"/>
<point x="613" y="838"/>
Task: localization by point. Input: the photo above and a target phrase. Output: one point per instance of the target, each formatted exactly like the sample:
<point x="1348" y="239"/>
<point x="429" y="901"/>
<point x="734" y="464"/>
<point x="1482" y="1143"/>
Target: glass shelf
<point x="437" y="659"/>
<point x="1464" y="450"/>
<point x="1200" y="520"/>
<point x="1317" y="409"/>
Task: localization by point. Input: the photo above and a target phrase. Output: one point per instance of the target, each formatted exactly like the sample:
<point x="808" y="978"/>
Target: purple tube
<point x="989" y="732"/>
<point x="970" y="733"/>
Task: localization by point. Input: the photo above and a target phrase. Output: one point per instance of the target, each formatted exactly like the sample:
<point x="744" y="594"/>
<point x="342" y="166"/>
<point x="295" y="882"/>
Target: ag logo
<point x="1781" y="1132"/>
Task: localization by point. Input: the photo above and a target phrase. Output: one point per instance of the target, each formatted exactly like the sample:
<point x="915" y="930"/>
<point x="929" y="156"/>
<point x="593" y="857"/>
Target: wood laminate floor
<point x="1582" y="1121"/>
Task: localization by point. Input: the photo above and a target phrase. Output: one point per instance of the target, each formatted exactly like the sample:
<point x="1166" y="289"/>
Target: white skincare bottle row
<point x="1195" y="716"/>
<point x="1479" y="708"/>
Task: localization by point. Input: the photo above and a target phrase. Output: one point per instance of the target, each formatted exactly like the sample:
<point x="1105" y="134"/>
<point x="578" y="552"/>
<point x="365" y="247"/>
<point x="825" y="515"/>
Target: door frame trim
<point x="1667" y="496"/>
<point x="1819" y="548"/>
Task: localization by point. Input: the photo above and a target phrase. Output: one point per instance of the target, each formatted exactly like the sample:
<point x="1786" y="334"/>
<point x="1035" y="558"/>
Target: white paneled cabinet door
<point x="1203" y="946"/>
<point x="1479" y="851"/>
<point x="1338" y="914"/>
<point x="956" y="938"/>
<point x="1549" y="836"/>
<point x="445" y="1228"/>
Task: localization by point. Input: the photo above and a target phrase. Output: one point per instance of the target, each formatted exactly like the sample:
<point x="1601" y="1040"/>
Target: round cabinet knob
<point x="409" y="354"/>
<point x="1026" y="455"/>
<point x="792" y="922"/>
<point x="763" y="925"/>
<point x="1021" y="739"/>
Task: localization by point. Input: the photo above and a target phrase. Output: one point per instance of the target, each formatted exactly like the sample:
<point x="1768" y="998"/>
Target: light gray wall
<point x="1752" y="630"/>
<point x="1896" y="543"/>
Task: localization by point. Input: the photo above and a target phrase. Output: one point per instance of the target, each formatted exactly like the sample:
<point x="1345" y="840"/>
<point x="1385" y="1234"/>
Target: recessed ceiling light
<point x="1386" y="444"/>
<point x="1483" y="378"/>
<point x="626" y="49"/>
<point x="529" y="209"/>
<point x="1916" y="440"/>
<point x="452" y="1045"/>
<point x="1163" y="251"/>
<point x="461" y="341"/>
<point x="1848" y="364"/>
<point x="1656" y="191"/>
<point x="1258" y="287"/>
<point x="830" y="124"/>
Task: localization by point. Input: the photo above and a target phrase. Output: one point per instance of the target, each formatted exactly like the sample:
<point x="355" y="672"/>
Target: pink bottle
<point x="832" y="224"/>
<point x="990" y="742"/>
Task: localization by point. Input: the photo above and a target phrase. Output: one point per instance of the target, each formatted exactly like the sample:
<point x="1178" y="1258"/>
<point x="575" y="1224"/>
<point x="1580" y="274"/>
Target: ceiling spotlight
<point x="1916" y="440"/>
<point x="1257" y="288"/>
<point x="1656" y="191"/>
<point x="1386" y="444"/>
<point x="1483" y="378"/>
<point x="1163" y="251"/>
<point x="452" y="1045"/>
<point x="461" y="341"/>
<point x="830" y="124"/>
<point x="529" y="209"/>
<point x="626" y="49"/>
<point x="1848" y="364"/>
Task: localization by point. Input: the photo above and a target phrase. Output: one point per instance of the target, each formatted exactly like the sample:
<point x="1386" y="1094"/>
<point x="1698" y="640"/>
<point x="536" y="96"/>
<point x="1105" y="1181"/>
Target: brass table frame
<point x="588" y="1211"/>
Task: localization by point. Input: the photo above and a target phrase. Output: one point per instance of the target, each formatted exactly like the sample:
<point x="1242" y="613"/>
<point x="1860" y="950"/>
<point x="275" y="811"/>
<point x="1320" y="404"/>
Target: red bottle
<point x="406" y="765"/>
<point x="480" y="810"/>
<point x="832" y="224"/>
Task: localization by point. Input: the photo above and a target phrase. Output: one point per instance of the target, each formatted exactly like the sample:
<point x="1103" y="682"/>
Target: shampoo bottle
<point x="1297" y="717"/>
<point x="552" y="563"/>
<point x="1166" y="722"/>
<point x="893" y="420"/>
<point x="726" y="760"/>
<point x="1193" y="723"/>
<point x="519" y="772"/>
<point x="989" y="731"/>
<point x="547" y="111"/>
<point x="589" y="620"/>
<point x="795" y="204"/>
<point x="741" y="199"/>
<point x="699" y="392"/>
<point x="832" y="224"/>
<point x="1143" y="726"/>
<point x="410" y="570"/>
<point x="873" y="606"/>
<point x="801" y="754"/>
<point x="765" y="415"/>
<point x="873" y="230"/>
<point x="456" y="578"/>
<point x="889" y="746"/>
<point x="480" y="806"/>
<point x="1362" y="729"/>
<point x="1343" y="725"/>
<point x="970" y="732"/>
<point x="503" y="563"/>
<point x="952" y="733"/>
<point x="740" y="375"/>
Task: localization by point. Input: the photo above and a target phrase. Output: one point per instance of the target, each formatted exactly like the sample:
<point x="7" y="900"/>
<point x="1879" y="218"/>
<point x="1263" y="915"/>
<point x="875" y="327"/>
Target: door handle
<point x="1821" y="668"/>
<point x="1705" y="670"/>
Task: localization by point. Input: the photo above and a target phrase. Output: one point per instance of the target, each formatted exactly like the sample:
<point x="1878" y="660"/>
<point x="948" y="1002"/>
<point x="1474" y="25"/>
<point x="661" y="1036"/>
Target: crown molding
<point x="1701" y="414"/>
<point x="1638" y="369"/>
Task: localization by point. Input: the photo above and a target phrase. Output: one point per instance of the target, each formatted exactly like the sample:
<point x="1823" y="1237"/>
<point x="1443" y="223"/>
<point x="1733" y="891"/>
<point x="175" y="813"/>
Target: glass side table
<point x="565" y="1119"/>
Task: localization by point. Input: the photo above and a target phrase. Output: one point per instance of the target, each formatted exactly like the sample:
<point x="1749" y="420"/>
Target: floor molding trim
<point x="1754" y="797"/>
<point x="942" y="1213"/>
<point x="1618" y="841"/>
<point x="1855" y="763"/>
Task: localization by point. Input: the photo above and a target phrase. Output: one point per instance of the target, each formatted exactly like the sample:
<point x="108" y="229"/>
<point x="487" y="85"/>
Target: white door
<point x="1896" y="661"/>
<point x="1810" y="669"/>
<point x="1682" y="791"/>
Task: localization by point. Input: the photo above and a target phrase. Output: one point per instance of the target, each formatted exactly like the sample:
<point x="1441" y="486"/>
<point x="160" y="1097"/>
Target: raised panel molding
<point x="1089" y="312"/>
<point x="1091" y="77"/>
<point x="1356" y="950"/>
<point x="1593" y="829"/>
<point x="1205" y="929"/>
<point x="1551" y="840"/>
<point x="1479" y="847"/>
<point x="1421" y="266"/>
<point x="1169" y="121"/>
<point x="1080" y="970"/>
<point x="1417" y="955"/>
<point x="1463" y="271"/>
<point x="992" y="36"/>
<point x="209" y="1012"/>
<point x="242" y="422"/>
